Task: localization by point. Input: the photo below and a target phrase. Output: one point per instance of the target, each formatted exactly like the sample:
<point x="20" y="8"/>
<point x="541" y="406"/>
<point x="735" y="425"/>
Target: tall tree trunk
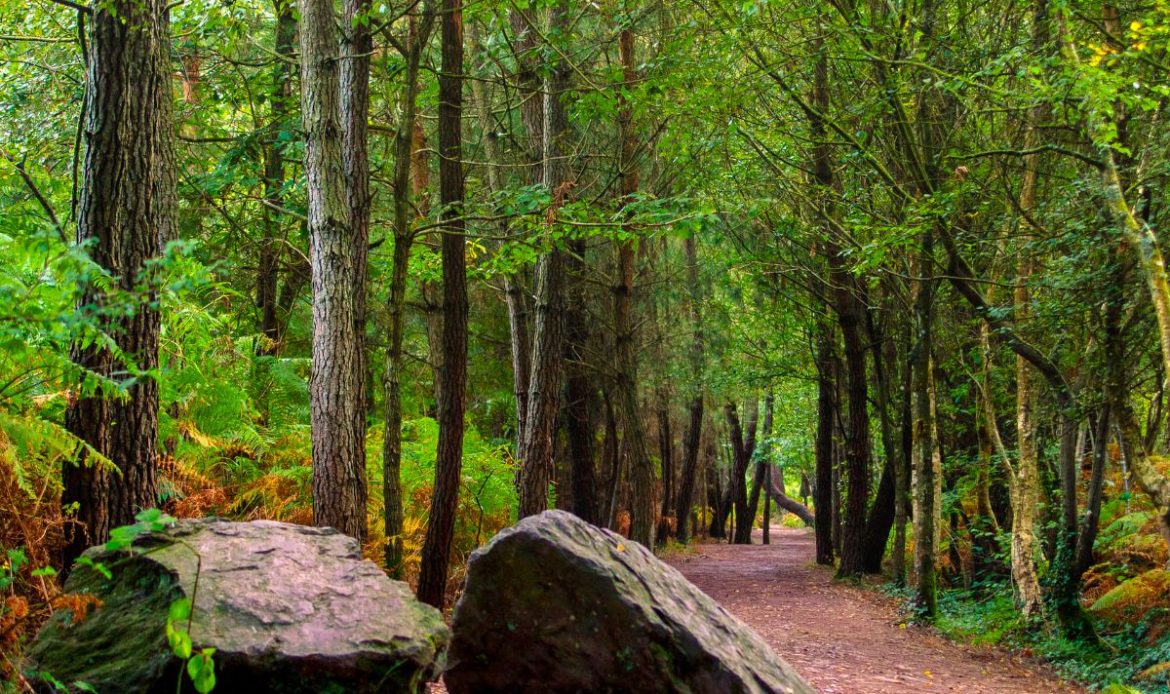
<point x="580" y="393"/>
<point x="827" y="402"/>
<point x="337" y="384"/>
<point x="271" y="246"/>
<point x="692" y="440"/>
<point x="528" y="85"/>
<point x="127" y="207"/>
<point x="1026" y="475"/>
<point x="641" y="468"/>
<point x="417" y="38"/>
<point x="767" y="534"/>
<point x="1088" y="534"/>
<point x="925" y="518"/>
<point x="826" y="412"/>
<point x="356" y="46"/>
<point x="740" y="460"/>
<point x="846" y="297"/>
<point x="902" y="493"/>
<point x="857" y="439"/>
<point x="666" y="456"/>
<point x="531" y="107"/>
<point x="544" y="383"/>
<point x="432" y="580"/>
<point x="763" y="460"/>
<point x="884" y="510"/>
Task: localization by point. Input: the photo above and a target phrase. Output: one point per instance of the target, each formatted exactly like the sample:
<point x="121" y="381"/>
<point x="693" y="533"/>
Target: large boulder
<point x="288" y="608"/>
<point x="554" y="604"/>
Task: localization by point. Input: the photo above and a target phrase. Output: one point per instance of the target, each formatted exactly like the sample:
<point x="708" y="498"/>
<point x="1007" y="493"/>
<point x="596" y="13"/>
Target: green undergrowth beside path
<point x="1131" y="658"/>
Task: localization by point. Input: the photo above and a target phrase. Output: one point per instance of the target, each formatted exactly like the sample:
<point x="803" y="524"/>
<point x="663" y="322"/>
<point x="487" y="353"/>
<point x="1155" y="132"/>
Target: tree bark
<point x="925" y="518"/>
<point x="337" y="383"/>
<point x="693" y="436"/>
<point x="544" y="383"/>
<point x="789" y="504"/>
<point x="354" y="80"/>
<point x="846" y="297"/>
<point x="528" y="85"/>
<point x="763" y="460"/>
<point x="271" y="245"/>
<point x="666" y="456"/>
<point x="641" y="468"/>
<point x="417" y="37"/>
<point x="883" y="512"/>
<point x="432" y="581"/>
<point x="127" y="208"/>
<point x="826" y="411"/>
<point x="737" y="489"/>
<point x="1088" y="534"/>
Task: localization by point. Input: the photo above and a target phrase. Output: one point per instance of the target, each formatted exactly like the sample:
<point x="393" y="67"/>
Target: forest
<point x="417" y="270"/>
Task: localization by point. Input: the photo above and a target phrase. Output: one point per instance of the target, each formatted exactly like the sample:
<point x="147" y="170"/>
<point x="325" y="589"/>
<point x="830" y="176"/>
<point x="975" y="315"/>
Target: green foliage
<point x="199" y="665"/>
<point x="149" y="520"/>
<point x="1125" y="661"/>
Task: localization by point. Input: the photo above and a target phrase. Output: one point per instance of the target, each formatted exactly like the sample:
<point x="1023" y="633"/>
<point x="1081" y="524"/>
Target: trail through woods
<point x="844" y="639"/>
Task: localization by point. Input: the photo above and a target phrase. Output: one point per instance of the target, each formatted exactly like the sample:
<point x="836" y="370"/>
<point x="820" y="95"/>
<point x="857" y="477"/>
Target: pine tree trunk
<point x="281" y="103"/>
<point x="418" y="34"/>
<point x="642" y="467"/>
<point x="666" y="456"/>
<point x="432" y="581"/>
<point x="763" y="460"/>
<point x="356" y="46"/>
<point x="337" y="383"/>
<point x="528" y="85"/>
<point x="883" y="512"/>
<point x="127" y="208"/>
<point x="826" y="412"/>
<point x="544" y="383"/>
<point x="741" y="458"/>
<point x="692" y="439"/>
<point x="579" y="398"/>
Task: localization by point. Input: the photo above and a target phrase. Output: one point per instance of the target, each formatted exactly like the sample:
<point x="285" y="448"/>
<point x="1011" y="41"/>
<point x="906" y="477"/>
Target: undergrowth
<point x="233" y="438"/>
<point x="1126" y="657"/>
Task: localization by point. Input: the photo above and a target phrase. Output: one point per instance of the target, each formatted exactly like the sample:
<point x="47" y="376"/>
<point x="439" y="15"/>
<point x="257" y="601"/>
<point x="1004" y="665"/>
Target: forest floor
<point x="842" y="638"/>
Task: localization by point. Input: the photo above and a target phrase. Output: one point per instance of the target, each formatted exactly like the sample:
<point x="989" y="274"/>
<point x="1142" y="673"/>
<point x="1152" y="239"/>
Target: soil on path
<point x="845" y="639"/>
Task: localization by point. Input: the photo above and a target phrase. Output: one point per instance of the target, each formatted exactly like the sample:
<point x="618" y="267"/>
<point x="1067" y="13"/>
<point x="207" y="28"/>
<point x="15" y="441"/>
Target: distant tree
<point x="452" y="376"/>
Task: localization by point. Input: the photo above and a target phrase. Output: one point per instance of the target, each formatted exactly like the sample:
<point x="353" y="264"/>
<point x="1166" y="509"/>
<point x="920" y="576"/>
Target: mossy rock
<point x="554" y="604"/>
<point x="288" y="608"/>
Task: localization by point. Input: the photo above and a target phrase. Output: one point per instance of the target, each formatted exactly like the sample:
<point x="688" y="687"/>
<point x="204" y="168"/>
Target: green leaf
<point x="179" y="641"/>
<point x="201" y="669"/>
<point x="179" y="610"/>
<point x="96" y="566"/>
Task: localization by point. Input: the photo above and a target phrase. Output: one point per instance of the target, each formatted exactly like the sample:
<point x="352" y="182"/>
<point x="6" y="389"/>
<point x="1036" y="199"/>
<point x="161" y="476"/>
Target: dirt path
<point x="846" y="640"/>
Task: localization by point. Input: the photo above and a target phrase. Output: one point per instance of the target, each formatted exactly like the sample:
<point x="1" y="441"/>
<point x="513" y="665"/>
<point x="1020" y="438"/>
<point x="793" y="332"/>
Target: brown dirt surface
<point x="846" y="639"/>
